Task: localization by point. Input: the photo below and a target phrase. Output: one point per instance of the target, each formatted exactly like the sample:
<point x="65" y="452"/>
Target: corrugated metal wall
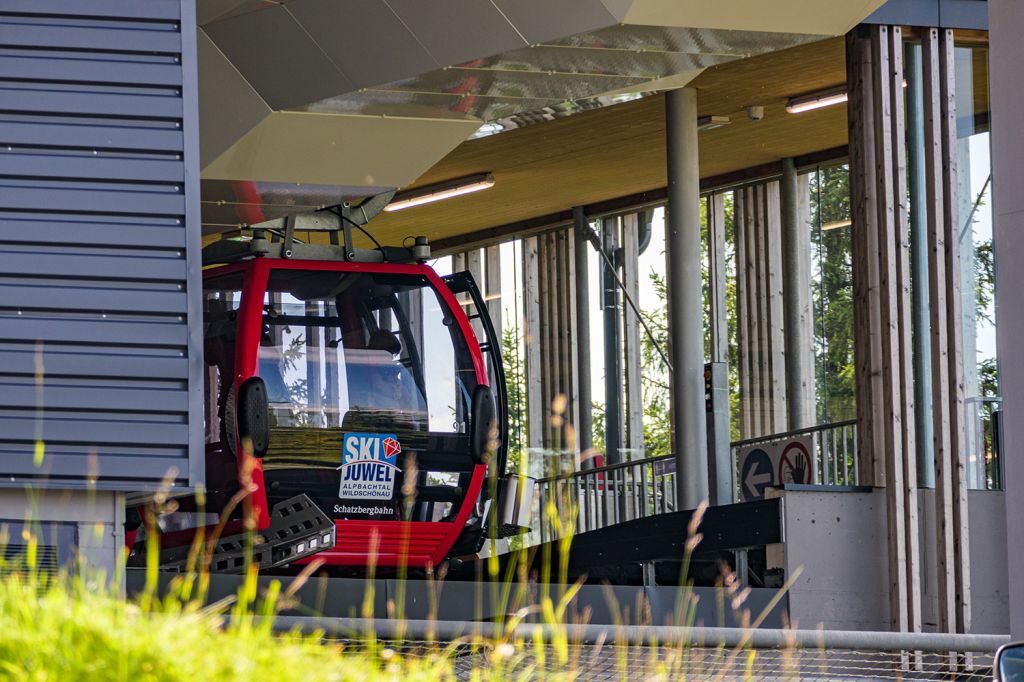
<point x="99" y="243"/>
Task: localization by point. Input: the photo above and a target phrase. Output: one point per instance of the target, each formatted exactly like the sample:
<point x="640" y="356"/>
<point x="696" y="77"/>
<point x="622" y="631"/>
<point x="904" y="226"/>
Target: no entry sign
<point x="773" y="464"/>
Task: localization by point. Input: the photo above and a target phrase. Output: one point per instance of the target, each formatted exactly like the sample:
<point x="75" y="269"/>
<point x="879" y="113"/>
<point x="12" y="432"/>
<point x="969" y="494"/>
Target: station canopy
<point x="305" y="103"/>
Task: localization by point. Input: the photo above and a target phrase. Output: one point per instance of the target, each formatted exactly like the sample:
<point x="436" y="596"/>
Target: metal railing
<point x="596" y="498"/>
<point x="835" y="450"/>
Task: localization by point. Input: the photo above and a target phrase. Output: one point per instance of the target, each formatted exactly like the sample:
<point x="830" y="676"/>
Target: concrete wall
<point x="98" y="518"/>
<point x="839" y="540"/>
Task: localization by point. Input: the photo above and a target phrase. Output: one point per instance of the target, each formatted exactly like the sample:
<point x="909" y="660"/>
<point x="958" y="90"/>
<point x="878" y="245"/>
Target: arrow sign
<point x="756" y="474"/>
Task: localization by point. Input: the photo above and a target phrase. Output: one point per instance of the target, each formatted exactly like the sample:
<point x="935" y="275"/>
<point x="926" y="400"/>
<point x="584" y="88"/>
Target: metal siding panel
<point x="35" y="229"/>
<point x="122" y="387"/>
<point x="152" y="466"/>
<point x="112" y="137"/>
<point x="27" y="262"/>
<point x="57" y="430"/>
<point x="34" y="328"/>
<point x="86" y="364"/>
<point x="92" y="298"/>
<point x="117" y="9"/>
<point x="94" y="201"/>
<point x="89" y="103"/>
<point x="80" y="166"/>
<point x="71" y="37"/>
<point x="80" y="68"/>
<point x="58" y="396"/>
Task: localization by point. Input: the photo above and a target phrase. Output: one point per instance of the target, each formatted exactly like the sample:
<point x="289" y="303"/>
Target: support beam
<point x="685" y="314"/>
<point x="585" y="429"/>
<point x="796" y="271"/>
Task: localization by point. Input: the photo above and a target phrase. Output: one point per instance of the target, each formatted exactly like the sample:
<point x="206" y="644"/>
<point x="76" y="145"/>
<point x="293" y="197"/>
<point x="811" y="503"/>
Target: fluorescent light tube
<point x="441" y="191"/>
<point x="817" y="100"/>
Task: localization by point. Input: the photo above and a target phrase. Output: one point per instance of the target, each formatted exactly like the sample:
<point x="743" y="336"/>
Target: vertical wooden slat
<point x="934" y="186"/>
<point x="569" y="300"/>
<point x="716" y="278"/>
<point x="954" y="320"/>
<point x="892" y="424"/>
<point x="755" y="253"/>
<point x="492" y="290"/>
<point x="631" y="334"/>
<point x="772" y="246"/>
<point x="904" y="327"/>
<point x="531" y="340"/>
<point x="742" y="312"/>
<point x="562" y="301"/>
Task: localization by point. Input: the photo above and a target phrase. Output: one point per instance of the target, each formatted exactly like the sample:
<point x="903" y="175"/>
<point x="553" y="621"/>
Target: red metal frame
<point x="359" y="542"/>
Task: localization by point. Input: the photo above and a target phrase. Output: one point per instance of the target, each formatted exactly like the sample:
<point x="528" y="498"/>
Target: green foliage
<point x="832" y="294"/>
<point x="515" y="383"/>
<point x="74" y="630"/>
<point x="655" y="378"/>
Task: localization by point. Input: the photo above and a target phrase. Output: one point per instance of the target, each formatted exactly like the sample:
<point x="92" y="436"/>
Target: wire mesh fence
<point x="545" y="651"/>
<point x="600" y="662"/>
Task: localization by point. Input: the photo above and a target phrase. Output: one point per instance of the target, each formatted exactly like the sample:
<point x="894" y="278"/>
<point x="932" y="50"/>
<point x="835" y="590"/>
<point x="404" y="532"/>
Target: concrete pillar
<point x="796" y="287"/>
<point x="1006" y="54"/>
<point x="685" y="314"/>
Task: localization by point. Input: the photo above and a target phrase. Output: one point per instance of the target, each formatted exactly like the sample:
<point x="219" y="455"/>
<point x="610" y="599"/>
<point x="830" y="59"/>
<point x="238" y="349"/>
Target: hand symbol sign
<point x="800" y="470"/>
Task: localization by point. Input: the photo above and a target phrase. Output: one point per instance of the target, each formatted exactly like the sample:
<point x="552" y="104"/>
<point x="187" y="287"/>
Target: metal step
<point x="298" y="528"/>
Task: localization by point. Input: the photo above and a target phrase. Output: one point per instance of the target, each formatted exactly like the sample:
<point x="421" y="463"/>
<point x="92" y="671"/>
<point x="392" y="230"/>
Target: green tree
<point x="515" y="384"/>
<point x="832" y="294"/>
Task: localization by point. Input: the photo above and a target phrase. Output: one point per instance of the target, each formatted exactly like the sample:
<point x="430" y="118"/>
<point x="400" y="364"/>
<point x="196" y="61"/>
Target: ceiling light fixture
<point x="817" y="100"/>
<point x="712" y="122"/>
<point x="837" y="224"/>
<point x="441" y="190"/>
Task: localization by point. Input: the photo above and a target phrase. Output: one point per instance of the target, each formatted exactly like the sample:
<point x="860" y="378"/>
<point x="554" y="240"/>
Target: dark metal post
<point x="796" y="302"/>
<point x="685" y="314"/>
<point x="921" y="326"/>
<point x="585" y="428"/>
<point x="612" y="346"/>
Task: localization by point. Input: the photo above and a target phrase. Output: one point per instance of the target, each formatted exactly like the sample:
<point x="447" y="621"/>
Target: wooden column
<point x="881" y="276"/>
<point x="760" y="308"/>
<point x="952" y="543"/>
<point x="550" y="347"/>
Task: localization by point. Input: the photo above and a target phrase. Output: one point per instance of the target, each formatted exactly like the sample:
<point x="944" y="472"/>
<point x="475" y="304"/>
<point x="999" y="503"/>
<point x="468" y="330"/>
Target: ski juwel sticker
<point x="369" y="462"/>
